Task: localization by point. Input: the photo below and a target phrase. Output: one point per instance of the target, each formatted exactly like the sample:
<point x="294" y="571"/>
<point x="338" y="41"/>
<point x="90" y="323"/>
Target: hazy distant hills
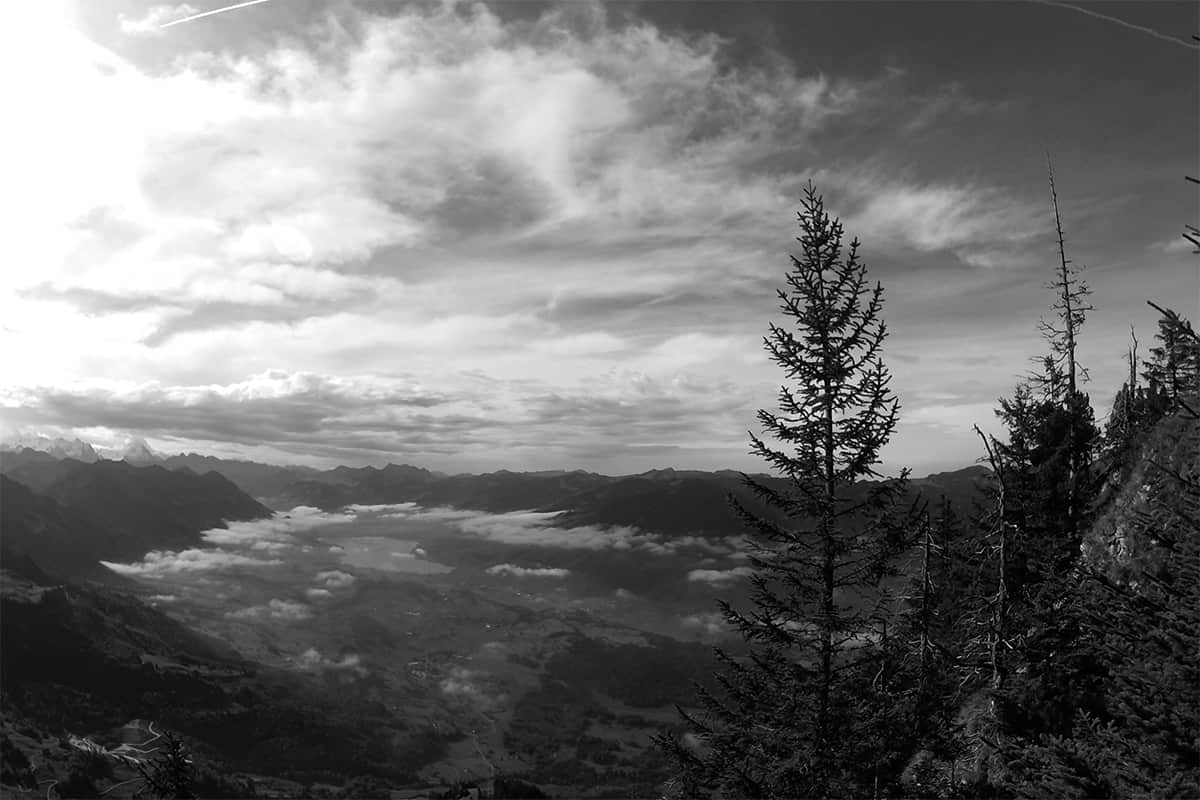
<point x="673" y="502"/>
<point x="257" y="480"/>
<point x="66" y="511"/>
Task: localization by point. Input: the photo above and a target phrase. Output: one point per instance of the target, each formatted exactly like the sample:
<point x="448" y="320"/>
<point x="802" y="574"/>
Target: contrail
<point x="1123" y="23"/>
<point x="214" y="11"/>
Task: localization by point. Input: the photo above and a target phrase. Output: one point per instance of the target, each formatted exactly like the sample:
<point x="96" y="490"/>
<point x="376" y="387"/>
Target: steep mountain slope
<point x="59" y="540"/>
<point x="146" y="507"/>
<point x="76" y="659"/>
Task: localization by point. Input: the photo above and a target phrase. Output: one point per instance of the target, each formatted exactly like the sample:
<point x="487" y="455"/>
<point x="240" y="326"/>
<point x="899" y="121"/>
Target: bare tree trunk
<point x="996" y="640"/>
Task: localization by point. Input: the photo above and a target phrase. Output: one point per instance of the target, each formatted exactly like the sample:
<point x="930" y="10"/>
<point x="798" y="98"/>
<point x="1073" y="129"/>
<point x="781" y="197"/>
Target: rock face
<point x="1117" y="537"/>
<point x="138" y="452"/>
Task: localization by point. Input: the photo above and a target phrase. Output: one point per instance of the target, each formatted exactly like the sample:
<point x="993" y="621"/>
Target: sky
<point x="524" y="235"/>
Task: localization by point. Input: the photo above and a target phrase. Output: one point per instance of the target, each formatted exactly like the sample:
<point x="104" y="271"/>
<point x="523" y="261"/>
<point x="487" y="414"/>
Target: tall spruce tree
<point x="806" y="712"/>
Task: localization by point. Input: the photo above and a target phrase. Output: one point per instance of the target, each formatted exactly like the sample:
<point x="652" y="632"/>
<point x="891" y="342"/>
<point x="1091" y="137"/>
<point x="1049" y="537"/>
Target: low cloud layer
<point x="162" y="563"/>
<point x="276" y="609"/>
<point x="719" y="576"/>
<point x="537" y="528"/>
<point x="528" y="572"/>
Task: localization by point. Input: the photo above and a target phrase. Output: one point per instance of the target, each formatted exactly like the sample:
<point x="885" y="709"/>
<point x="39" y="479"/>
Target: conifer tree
<point x="1142" y="617"/>
<point x="803" y="715"/>
<point x="1040" y="672"/>
<point x="1174" y="364"/>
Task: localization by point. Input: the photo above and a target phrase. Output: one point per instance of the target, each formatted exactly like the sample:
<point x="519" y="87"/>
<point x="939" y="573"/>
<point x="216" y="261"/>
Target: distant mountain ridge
<point x="58" y="447"/>
<point x="668" y="501"/>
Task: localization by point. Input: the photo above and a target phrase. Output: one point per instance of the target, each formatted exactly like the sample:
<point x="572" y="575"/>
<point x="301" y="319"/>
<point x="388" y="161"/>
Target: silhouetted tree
<point x="806" y="713"/>
<point x="1062" y="374"/>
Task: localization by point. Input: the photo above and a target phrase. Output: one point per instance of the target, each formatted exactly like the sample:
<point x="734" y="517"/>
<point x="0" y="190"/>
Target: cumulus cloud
<point x="318" y="594"/>
<point x="161" y="563"/>
<point x="275" y="609"/>
<point x="335" y="579"/>
<point x="528" y="572"/>
<point x="719" y="576"/>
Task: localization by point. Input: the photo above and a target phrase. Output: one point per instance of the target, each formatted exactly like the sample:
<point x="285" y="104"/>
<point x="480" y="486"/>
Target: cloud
<point x="719" y="576"/>
<point x="528" y="572"/>
<point x="586" y="230"/>
<point x="151" y="22"/>
<point x="537" y="528"/>
<point x="710" y="623"/>
<point x="615" y="126"/>
<point x="275" y="609"/>
<point x="463" y="683"/>
<point x="274" y="534"/>
<point x="1176" y="244"/>
<point x="312" y="660"/>
<point x="318" y="594"/>
<point x="161" y="563"/>
<point x="335" y="579"/>
<point x="982" y="225"/>
<point x="386" y="509"/>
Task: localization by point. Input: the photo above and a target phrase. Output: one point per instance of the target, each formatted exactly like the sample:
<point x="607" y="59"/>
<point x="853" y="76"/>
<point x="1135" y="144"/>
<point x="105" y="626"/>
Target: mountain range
<point x="665" y="501"/>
